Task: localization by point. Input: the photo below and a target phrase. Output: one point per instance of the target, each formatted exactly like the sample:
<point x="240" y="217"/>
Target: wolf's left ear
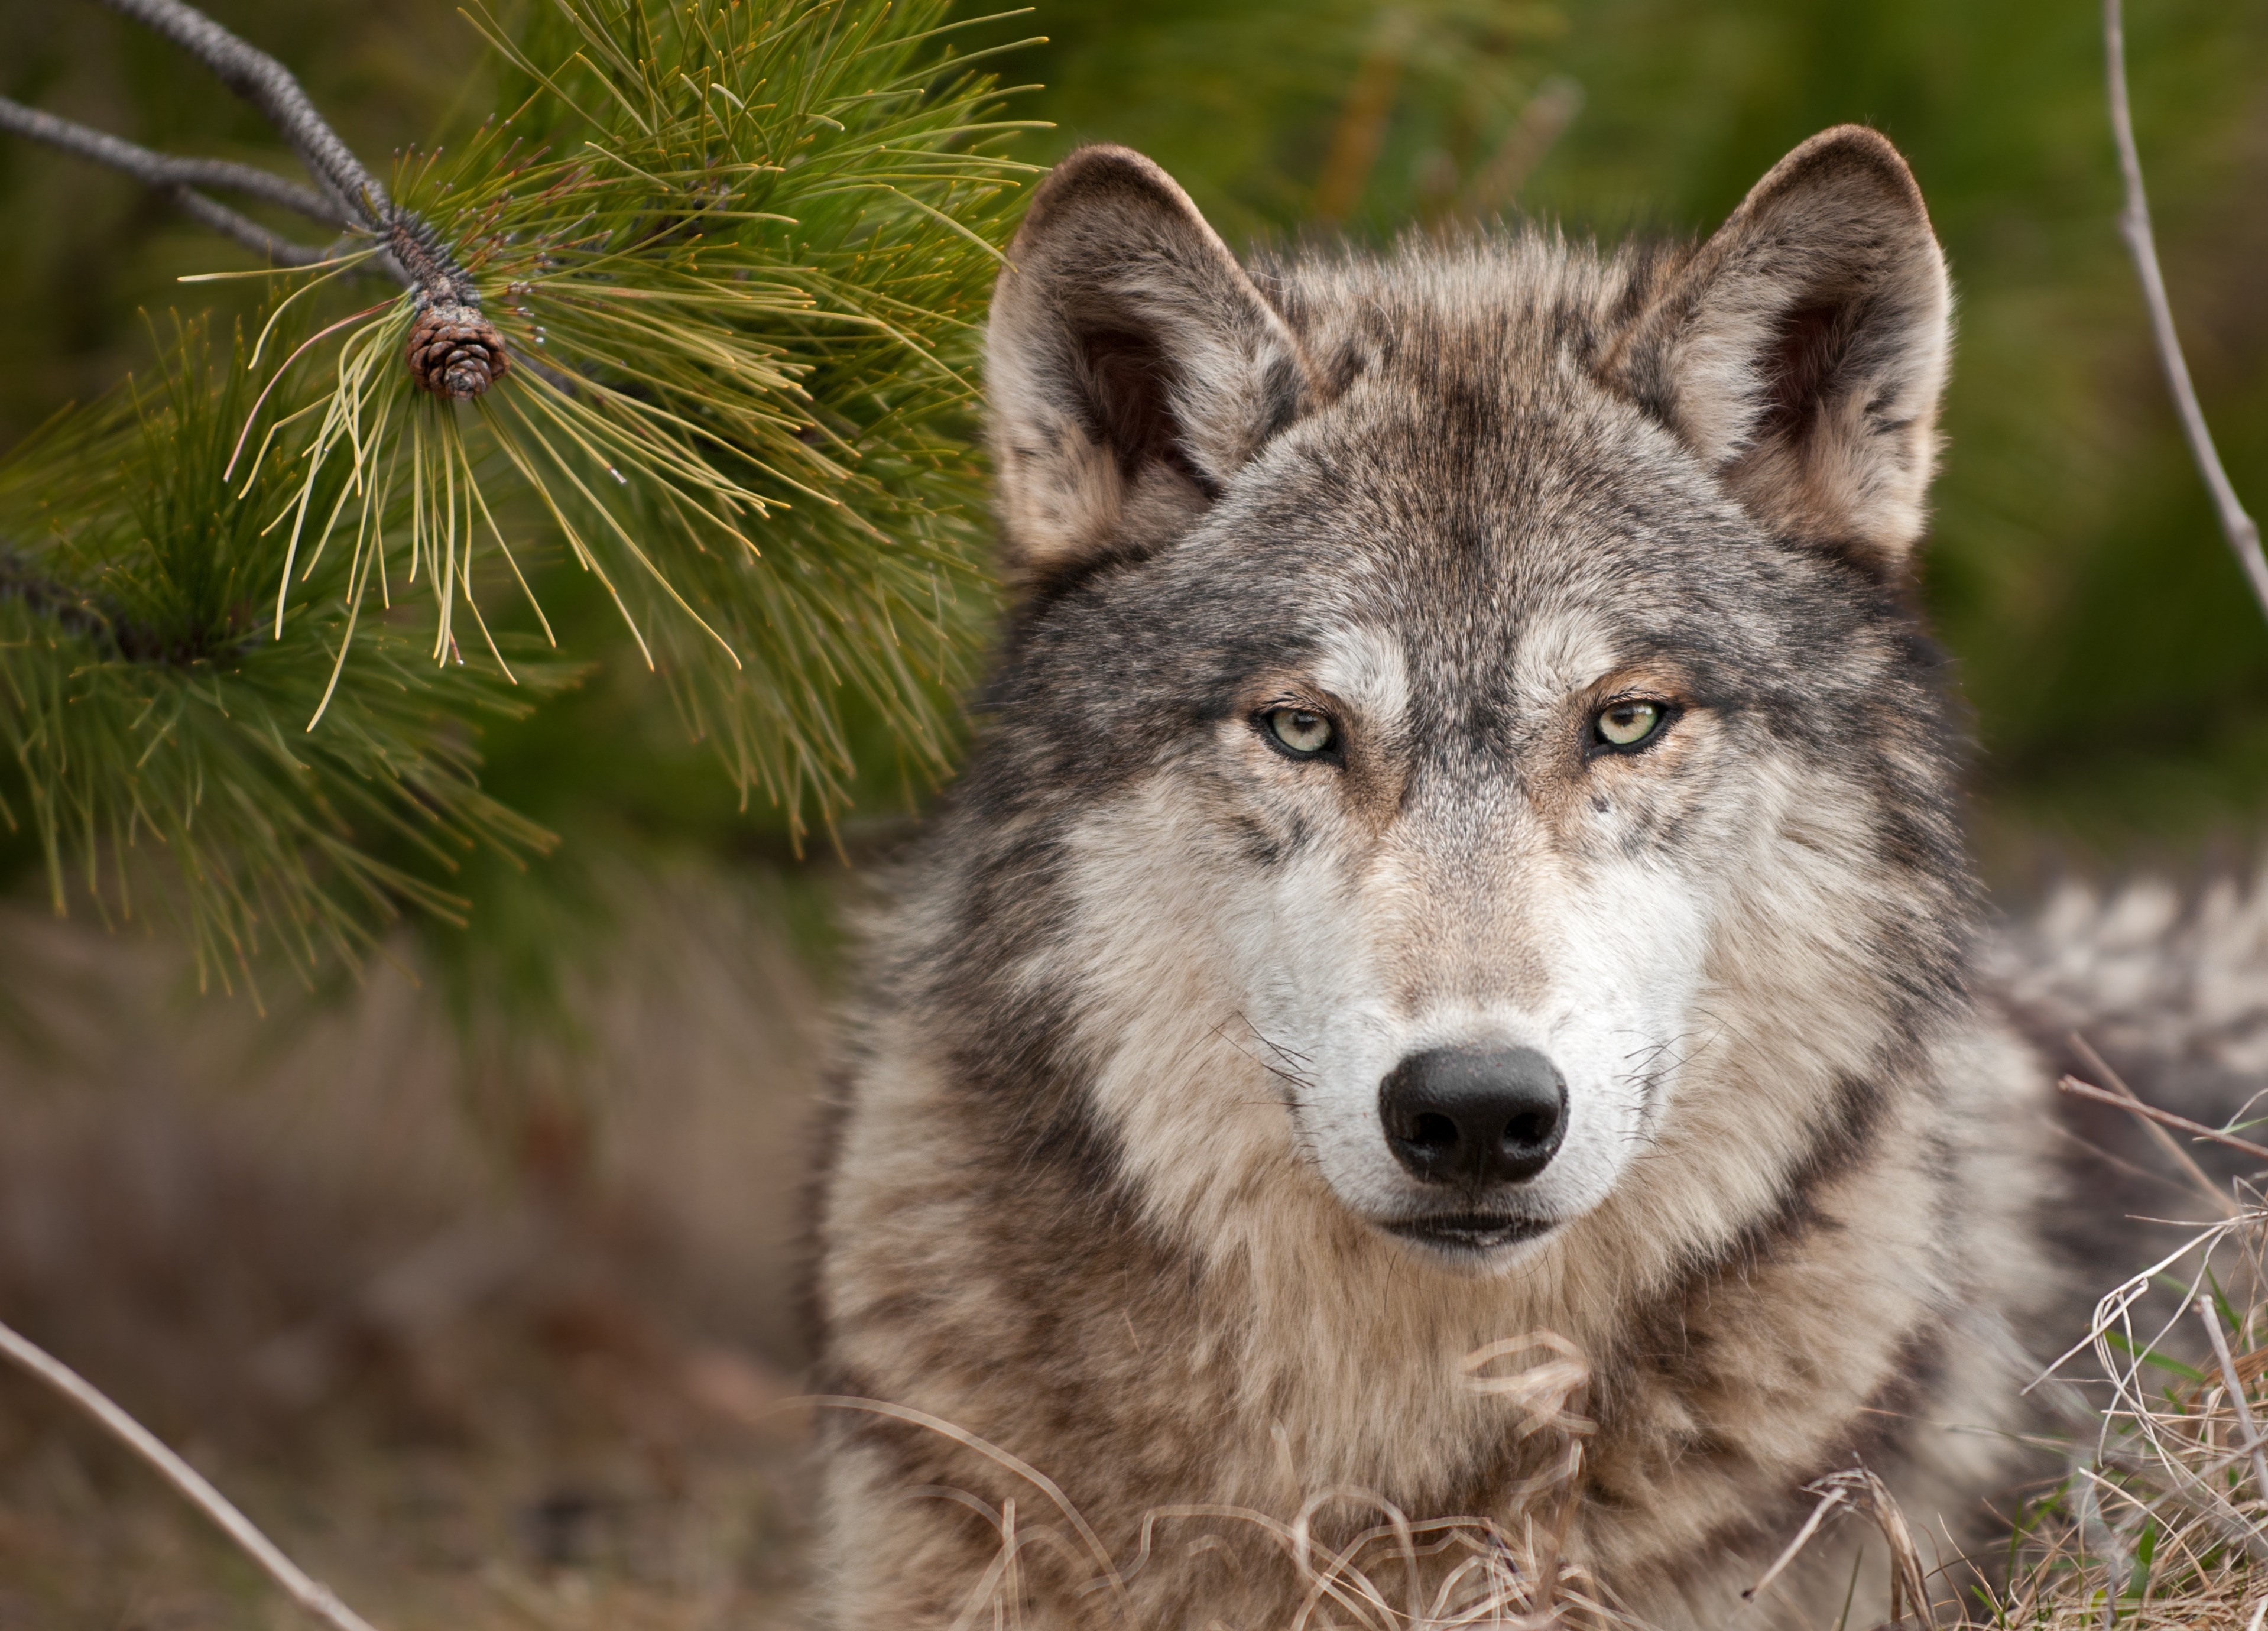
<point x="1132" y="367"/>
<point x="1802" y="350"/>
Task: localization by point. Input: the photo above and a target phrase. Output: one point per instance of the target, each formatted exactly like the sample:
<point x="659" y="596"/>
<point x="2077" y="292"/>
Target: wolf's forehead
<point x="1383" y="664"/>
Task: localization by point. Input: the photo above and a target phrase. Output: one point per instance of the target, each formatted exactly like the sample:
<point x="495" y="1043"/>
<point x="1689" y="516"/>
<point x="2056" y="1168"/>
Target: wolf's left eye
<point x="1627" y="724"/>
<point x="1304" y="733"/>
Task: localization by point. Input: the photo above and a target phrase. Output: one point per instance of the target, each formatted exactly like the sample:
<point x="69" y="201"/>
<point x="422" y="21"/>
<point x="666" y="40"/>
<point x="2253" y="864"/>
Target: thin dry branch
<point x="350" y="196"/>
<point x="247" y="232"/>
<point x="165" y="169"/>
<point x="311" y="1594"/>
<point x="2164" y="1139"/>
<point x="268" y="86"/>
<point x="2134" y="226"/>
<point x="2077" y="1088"/>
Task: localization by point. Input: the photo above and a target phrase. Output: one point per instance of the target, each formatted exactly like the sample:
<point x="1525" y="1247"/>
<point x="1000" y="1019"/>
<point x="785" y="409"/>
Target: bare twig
<point x="349" y="195"/>
<point x="447" y="300"/>
<point x="2164" y="1139"/>
<point x="2077" y="1088"/>
<point x="165" y="169"/>
<point x="311" y="1593"/>
<point x="2134" y="226"/>
<point x="244" y="229"/>
<point x="268" y="86"/>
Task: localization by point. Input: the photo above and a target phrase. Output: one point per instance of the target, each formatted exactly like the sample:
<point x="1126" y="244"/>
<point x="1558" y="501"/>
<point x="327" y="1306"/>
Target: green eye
<point x="1304" y="733"/>
<point x="1627" y="724"/>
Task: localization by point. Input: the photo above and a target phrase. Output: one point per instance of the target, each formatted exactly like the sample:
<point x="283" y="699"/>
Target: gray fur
<point x="1108" y="1189"/>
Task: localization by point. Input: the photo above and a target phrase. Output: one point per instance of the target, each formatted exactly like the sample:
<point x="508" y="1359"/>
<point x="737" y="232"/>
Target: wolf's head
<point x="1464" y="735"/>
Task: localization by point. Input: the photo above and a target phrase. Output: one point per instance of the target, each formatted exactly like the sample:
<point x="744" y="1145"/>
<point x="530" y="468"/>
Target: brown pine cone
<point x="455" y="352"/>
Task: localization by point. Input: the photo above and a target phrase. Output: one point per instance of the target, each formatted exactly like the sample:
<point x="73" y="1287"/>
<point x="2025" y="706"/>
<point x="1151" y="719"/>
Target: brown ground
<point x="514" y="1367"/>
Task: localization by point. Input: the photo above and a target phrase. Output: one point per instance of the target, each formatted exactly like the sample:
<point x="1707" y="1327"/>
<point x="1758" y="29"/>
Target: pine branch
<point x="229" y="224"/>
<point x="738" y="261"/>
<point x="164" y="169"/>
<point x="269" y="86"/>
<point x="82" y="613"/>
<point x="2134" y="224"/>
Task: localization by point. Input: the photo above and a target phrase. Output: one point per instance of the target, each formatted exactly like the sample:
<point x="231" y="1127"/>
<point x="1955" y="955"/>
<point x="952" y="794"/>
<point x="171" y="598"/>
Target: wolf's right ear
<point x="1132" y="366"/>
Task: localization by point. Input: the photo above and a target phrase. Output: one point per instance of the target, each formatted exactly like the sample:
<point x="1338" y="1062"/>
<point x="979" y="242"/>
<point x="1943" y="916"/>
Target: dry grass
<point x="2163" y="1518"/>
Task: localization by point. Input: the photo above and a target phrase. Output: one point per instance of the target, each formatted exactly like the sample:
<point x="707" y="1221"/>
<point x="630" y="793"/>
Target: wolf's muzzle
<point x="1474" y="1116"/>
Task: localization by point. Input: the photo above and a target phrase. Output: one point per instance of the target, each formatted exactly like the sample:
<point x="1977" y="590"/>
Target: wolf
<point x="1460" y="874"/>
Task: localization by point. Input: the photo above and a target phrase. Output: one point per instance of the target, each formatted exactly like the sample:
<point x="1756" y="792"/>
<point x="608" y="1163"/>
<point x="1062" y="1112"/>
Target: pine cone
<point x="455" y="352"/>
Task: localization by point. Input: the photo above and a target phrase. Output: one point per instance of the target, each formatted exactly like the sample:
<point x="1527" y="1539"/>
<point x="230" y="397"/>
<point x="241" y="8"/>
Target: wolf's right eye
<point x="1304" y="733"/>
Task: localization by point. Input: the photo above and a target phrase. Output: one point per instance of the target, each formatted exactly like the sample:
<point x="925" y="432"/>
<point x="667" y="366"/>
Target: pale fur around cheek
<point x="1193" y="1081"/>
<point x="1764" y="1043"/>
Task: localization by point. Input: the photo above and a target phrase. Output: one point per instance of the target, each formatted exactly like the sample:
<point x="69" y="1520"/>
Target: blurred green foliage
<point x="2118" y="671"/>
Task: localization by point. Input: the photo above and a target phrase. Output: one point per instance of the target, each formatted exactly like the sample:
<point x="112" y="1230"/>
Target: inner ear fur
<point x="1132" y="367"/>
<point x="1801" y="350"/>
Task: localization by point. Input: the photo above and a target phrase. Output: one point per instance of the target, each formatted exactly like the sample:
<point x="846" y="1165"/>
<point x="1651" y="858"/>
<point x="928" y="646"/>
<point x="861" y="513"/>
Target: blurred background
<point x="473" y="1274"/>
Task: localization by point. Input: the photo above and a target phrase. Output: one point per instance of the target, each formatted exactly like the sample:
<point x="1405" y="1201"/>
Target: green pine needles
<point x="149" y="706"/>
<point x="254" y="614"/>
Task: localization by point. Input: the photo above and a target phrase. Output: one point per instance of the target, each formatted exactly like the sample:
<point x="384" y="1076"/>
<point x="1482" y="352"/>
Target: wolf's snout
<point x="1474" y="1115"/>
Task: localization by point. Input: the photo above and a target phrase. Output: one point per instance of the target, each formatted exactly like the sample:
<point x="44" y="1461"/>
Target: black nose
<point x="1474" y="1115"/>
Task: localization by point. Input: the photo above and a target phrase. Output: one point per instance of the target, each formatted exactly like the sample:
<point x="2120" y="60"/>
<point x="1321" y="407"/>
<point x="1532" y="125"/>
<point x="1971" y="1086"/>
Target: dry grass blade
<point x="1859" y="1489"/>
<point x="2197" y="1175"/>
<point x="1832" y="1498"/>
<point x="310" y="1593"/>
<point x="2235" y="1385"/>
<point x="1022" y="1469"/>
<point x="2077" y="1088"/>
<point x="1362" y="1562"/>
